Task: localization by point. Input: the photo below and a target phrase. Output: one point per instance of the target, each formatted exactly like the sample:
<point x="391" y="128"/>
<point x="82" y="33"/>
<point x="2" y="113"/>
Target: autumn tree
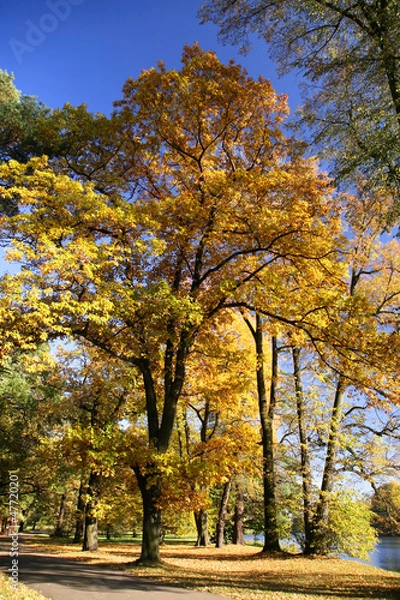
<point x="347" y="54"/>
<point x="204" y="193"/>
<point x="386" y="506"/>
<point x="357" y="369"/>
<point x="27" y="414"/>
<point x="216" y="429"/>
<point x="97" y="391"/>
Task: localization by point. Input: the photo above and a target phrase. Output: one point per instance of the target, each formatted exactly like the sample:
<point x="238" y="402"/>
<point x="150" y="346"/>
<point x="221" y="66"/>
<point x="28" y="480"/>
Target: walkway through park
<point x="59" y="578"/>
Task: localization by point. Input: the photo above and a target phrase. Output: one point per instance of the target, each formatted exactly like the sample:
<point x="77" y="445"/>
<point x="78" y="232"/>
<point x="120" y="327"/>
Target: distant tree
<point x="20" y="137"/>
<point x="348" y="53"/>
<point x="20" y="118"/>
<point x="216" y="433"/>
<point x="25" y="410"/>
<point x="349" y="528"/>
<point x="96" y="390"/>
<point x="386" y="506"/>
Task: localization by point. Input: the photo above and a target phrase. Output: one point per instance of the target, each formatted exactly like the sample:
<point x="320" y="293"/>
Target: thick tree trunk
<point x="219" y="542"/>
<point x="321" y="518"/>
<point x="59" y="530"/>
<point x="150" y="493"/>
<point x="201" y="520"/>
<point x="80" y="514"/>
<point x="90" y="539"/>
<point x="159" y="436"/>
<point x="238" y="522"/>
<point x="304" y="450"/>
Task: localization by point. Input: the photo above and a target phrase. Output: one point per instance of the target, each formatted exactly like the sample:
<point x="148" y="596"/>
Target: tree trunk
<point x="238" y="522"/>
<point x="59" y="530"/>
<point x="267" y="411"/>
<point x="304" y="450"/>
<point x="90" y="539"/>
<point x="159" y="435"/>
<point x="222" y="514"/>
<point x="201" y="519"/>
<point x="150" y="493"/>
<point x="4" y="523"/>
<point x="80" y="514"/>
<point x="22" y="523"/>
<point x="321" y="518"/>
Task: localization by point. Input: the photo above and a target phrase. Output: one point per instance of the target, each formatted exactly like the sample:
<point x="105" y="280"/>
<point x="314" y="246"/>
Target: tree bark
<point x="321" y="518"/>
<point x="267" y="412"/>
<point x="90" y="538"/>
<point x="201" y="520"/>
<point x="80" y="515"/>
<point x="22" y="523"/>
<point x="304" y="450"/>
<point x="238" y="522"/>
<point x="59" y="530"/>
<point x="222" y="514"/>
<point x="3" y="522"/>
<point x="150" y="492"/>
<point x="159" y="435"/>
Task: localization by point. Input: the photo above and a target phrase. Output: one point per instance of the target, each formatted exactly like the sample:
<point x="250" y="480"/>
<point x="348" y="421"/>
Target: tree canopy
<point x="347" y="53"/>
<point x="152" y="240"/>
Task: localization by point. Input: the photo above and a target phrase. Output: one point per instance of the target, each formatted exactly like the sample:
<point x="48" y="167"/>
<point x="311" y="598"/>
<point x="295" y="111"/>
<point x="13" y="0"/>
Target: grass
<point x="22" y="593"/>
<point x="242" y="573"/>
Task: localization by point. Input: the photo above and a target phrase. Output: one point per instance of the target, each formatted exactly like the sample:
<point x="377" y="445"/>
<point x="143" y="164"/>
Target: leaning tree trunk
<point x="321" y="518"/>
<point x="201" y="520"/>
<point x="90" y="539"/>
<point x="219" y="542"/>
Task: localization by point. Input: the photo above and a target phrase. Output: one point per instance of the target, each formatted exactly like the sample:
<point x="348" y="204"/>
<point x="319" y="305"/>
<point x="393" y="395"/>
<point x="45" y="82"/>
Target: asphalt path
<point x="61" y="579"/>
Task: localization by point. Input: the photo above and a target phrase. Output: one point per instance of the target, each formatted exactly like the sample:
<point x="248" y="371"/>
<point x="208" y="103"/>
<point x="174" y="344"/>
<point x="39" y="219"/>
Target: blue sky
<point x="83" y="50"/>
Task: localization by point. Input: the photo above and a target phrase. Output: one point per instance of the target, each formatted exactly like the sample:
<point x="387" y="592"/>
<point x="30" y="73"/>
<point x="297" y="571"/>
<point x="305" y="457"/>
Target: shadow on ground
<point x="45" y="569"/>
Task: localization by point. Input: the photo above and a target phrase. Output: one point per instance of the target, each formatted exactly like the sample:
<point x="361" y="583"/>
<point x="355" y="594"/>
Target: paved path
<point x="61" y="579"/>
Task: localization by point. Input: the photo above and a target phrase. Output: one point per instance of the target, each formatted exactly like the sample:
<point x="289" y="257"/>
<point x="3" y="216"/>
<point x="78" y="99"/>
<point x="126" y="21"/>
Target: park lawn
<point x="243" y="573"/>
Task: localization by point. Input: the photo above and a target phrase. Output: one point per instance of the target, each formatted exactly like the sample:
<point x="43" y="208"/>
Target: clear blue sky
<point x="83" y="50"/>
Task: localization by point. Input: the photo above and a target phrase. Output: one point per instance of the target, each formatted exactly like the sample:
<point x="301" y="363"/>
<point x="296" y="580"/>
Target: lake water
<point x="385" y="556"/>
